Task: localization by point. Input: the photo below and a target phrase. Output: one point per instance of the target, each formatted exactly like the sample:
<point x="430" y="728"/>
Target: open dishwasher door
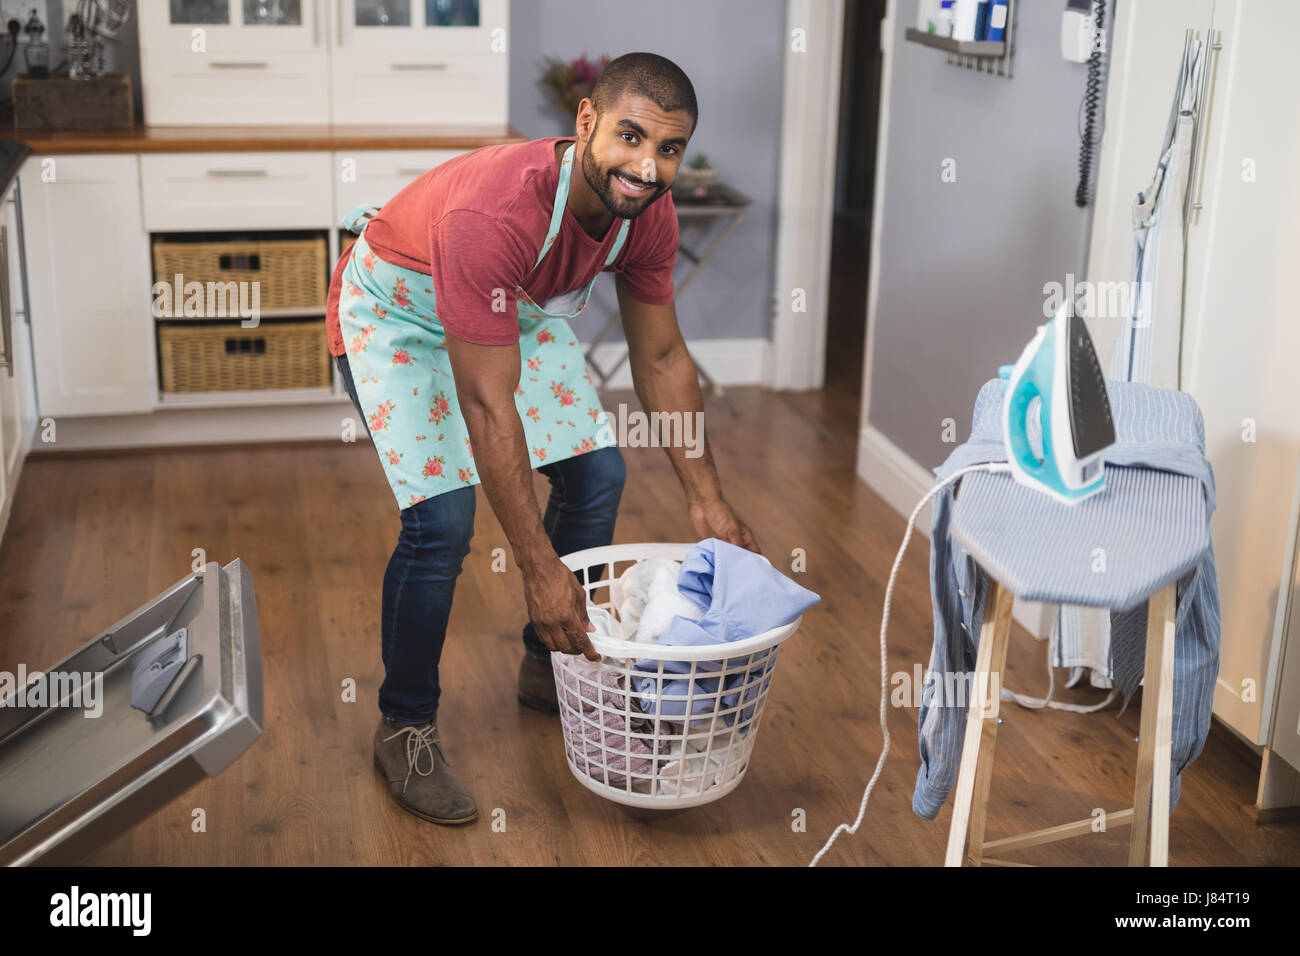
<point x="177" y="697"/>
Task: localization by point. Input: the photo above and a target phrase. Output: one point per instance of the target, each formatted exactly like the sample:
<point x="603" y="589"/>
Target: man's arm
<point x="666" y="380"/>
<point x="486" y="376"/>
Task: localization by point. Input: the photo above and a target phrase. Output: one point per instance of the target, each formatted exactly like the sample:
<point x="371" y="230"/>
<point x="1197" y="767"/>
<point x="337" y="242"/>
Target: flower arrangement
<point x="567" y="82"/>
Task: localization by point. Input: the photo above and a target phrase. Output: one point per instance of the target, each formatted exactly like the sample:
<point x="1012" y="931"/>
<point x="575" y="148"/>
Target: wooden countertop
<point x="206" y="139"/>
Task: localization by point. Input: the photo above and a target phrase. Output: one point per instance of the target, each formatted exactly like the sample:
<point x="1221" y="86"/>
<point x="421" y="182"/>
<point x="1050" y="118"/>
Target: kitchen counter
<point x="213" y="139"/>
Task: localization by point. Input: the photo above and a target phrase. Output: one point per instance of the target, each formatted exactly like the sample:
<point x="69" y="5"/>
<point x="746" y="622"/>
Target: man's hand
<point x="557" y="606"/>
<point x="714" y="518"/>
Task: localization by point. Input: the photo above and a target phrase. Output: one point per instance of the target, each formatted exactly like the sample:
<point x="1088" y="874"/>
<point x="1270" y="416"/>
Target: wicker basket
<point x="290" y="272"/>
<point x="228" y="357"/>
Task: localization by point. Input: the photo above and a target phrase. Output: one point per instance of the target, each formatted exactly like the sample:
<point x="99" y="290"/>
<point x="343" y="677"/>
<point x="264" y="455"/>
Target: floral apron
<point x="397" y="354"/>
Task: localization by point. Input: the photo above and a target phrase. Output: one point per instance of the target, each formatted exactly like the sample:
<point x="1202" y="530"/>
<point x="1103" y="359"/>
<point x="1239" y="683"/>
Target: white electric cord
<point x="1038" y="703"/>
<point x="884" y="655"/>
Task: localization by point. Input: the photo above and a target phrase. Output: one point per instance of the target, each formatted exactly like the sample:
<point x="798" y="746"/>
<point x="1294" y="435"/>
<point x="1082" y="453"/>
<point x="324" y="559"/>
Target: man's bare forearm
<point x="671" y="384"/>
<point x="505" y="471"/>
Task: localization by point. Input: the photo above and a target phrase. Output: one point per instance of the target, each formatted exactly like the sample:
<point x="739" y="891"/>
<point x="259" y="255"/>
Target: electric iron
<point x="1060" y="368"/>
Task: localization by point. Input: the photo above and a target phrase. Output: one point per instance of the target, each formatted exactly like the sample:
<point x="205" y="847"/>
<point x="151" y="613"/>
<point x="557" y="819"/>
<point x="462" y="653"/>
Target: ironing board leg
<point x="976" y="771"/>
<point x="1151" y="788"/>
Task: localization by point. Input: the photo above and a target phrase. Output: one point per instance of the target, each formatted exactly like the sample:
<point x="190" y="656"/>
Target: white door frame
<point x="805" y="208"/>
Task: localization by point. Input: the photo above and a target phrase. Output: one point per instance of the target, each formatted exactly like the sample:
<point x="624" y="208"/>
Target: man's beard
<point x="601" y="183"/>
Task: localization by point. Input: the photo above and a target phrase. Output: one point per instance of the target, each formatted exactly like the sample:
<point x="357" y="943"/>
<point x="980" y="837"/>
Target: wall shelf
<point x="987" y="48"/>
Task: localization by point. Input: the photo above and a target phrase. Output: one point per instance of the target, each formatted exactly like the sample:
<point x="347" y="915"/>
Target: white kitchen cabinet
<point x="17" y="400"/>
<point x="376" y="176"/>
<point x="268" y="62"/>
<point x="88" y="281"/>
<point x="420" y="61"/>
<point x="206" y="62"/>
<point x="1239" y="334"/>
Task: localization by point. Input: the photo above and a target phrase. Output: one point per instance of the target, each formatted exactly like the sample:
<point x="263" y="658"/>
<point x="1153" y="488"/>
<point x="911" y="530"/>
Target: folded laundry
<point x="609" y="741"/>
<point x="736" y="594"/>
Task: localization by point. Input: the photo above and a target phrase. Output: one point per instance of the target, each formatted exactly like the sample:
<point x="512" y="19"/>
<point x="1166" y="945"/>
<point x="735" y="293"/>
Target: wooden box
<point x="60" y="102"/>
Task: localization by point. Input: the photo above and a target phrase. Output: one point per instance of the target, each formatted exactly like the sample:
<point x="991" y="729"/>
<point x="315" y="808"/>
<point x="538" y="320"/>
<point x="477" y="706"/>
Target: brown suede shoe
<point x="537" y="685"/>
<point x="418" y="775"/>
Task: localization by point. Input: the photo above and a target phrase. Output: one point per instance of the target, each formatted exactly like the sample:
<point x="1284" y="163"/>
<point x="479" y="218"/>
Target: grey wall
<point x="963" y="264"/>
<point x="733" y="52"/>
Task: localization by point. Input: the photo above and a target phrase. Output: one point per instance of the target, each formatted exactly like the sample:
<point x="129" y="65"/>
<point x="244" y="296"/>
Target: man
<point x="440" y="341"/>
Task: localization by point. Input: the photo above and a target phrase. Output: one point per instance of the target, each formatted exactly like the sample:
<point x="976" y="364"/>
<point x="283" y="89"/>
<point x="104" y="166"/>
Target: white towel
<point x="647" y="599"/>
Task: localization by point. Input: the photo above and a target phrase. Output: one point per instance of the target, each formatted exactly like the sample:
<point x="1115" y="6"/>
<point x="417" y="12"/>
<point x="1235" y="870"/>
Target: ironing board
<point x="1114" y="550"/>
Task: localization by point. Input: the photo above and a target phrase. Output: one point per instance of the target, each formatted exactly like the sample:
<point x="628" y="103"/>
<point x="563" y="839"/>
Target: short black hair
<point x="655" y="77"/>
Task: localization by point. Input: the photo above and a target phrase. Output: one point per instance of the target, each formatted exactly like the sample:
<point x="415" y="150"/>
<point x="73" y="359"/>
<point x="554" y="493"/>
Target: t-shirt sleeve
<point x="647" y="268"/>
<point x="476" y="264"/>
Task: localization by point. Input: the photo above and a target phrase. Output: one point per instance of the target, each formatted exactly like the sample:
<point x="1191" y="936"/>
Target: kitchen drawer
<point x="246" y="88"/>
<point x="433" y="87"/>
<point x="376" y="176"/>
<point x="213" y="191"/>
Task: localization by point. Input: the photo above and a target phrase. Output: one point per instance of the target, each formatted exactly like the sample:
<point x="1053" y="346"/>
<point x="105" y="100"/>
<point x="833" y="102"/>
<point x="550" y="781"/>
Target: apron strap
<point x="618" y="243"/>
<point x="356" y="220"/>
<point x="557" y="211"/>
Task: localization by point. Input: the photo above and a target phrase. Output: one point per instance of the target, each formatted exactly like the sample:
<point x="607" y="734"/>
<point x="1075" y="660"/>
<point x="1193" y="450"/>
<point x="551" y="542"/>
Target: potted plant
<point x="695" y="178"/>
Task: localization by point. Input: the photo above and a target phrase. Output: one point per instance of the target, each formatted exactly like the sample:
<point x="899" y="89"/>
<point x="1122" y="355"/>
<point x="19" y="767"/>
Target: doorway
<point x="861" y="66"/>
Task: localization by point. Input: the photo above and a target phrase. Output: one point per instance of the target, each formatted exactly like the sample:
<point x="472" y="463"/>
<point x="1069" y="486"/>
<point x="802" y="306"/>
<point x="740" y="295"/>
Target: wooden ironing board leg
<point x="976" y="771"/>
<point x="1151" y="786"/>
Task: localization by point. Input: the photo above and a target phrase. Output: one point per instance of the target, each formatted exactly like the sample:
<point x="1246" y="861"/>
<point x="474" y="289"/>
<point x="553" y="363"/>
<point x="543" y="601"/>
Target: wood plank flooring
<point x="93" y="536"/>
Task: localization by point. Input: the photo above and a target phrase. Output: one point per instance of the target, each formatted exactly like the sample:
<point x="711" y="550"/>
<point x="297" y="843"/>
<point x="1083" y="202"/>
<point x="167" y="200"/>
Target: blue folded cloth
<point x="739" y="595"/>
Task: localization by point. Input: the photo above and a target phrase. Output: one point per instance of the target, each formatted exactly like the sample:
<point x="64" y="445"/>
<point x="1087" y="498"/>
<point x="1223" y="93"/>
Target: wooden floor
<point x="92" y="537"/>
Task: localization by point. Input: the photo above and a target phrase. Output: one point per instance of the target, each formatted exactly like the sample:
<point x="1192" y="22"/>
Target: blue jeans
<point x="421" y="575"/>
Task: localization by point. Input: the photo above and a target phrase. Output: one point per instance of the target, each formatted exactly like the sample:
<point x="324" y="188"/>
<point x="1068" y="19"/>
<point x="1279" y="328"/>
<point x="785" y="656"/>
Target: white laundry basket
<point x="645" y="758"/>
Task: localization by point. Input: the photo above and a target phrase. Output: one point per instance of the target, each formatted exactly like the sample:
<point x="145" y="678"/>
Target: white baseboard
<point x="902" y="481"/>
<point x="204" y="426"/>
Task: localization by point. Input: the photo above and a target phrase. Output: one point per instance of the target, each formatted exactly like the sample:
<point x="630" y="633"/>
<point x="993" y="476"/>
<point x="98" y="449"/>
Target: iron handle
<point x="411" y="171"/>
<point x="242" y="65"/>
<point x="338" y="8"/>
<point x="417" y="66"/>
<point x="237" y="173"/>
<point x="315" y="22"/>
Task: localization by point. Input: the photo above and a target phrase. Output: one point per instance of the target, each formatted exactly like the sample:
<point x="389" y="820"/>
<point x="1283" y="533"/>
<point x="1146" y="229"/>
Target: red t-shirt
<point x="476" y="224"/>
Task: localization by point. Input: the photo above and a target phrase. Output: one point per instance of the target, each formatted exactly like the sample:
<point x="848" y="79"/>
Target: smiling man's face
<point x="634" y="153"/>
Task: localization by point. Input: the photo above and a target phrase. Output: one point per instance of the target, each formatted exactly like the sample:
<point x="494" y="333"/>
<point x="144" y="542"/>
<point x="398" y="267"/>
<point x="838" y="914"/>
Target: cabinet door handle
<point x="6" y="317"/>
<point x="411" y="171"/>
<point x="315" y="22"/>
<point x="237" y="173"/>
<point x="417" y="66"/>
<point x="243" y="65"/>
<point x="338" y="8"/>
